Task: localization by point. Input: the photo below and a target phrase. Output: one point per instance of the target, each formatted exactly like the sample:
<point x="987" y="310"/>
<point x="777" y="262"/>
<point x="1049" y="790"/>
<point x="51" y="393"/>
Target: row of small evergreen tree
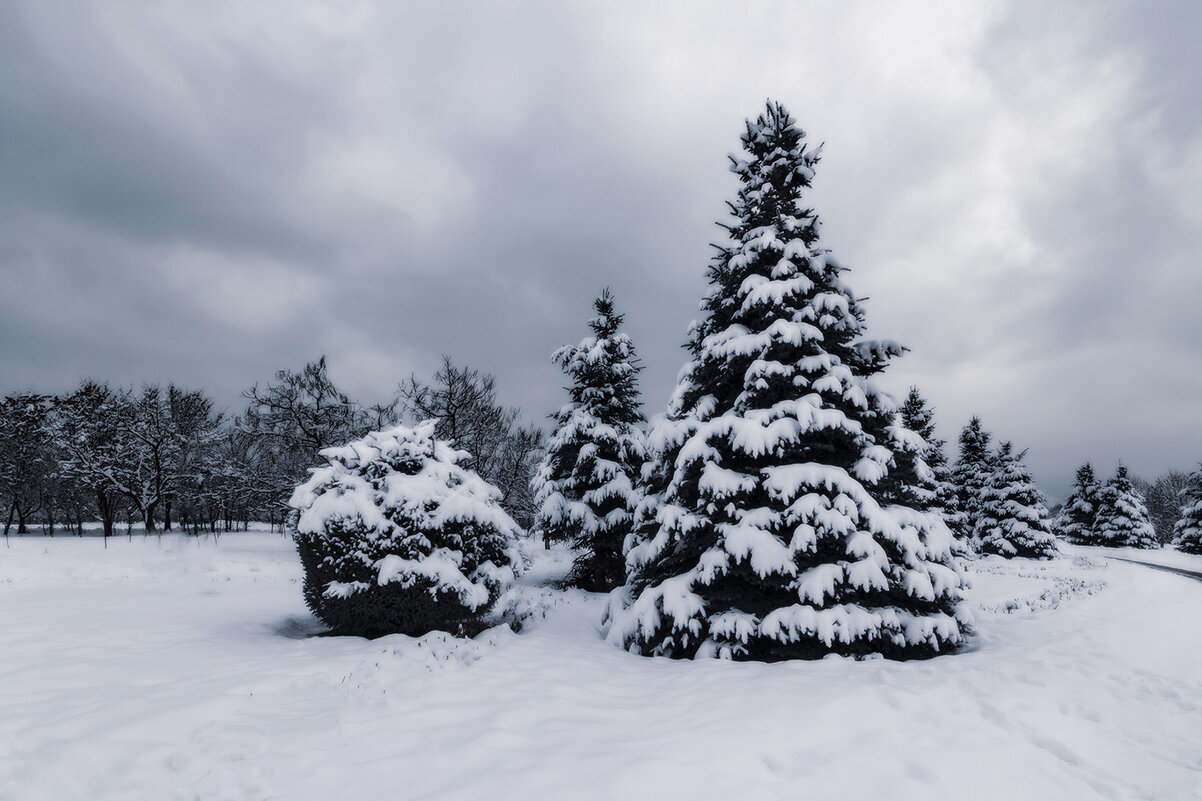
<point x="588" y="489"/>
<point x="1114" y="514"/>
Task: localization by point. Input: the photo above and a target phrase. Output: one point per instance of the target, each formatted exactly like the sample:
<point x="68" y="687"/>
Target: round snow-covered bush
<point x="395" y="537"/>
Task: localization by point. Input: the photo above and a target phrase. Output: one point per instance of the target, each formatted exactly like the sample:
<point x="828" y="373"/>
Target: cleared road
<point x="1194" y="574"/>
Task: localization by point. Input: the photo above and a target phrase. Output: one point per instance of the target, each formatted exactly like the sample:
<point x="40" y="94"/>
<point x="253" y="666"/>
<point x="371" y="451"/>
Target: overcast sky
<point x="209" y="192"/>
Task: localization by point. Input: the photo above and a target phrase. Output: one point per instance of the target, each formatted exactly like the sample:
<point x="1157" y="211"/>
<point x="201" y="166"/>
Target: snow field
<point x="176" y="669"/>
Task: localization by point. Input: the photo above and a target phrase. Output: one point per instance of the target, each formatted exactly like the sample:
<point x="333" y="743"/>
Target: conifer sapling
<point x="1076" y="521"/>
<point x="1012" y="520"/>
<point x="585" y="486"/>
<point x="1122" y="519"/>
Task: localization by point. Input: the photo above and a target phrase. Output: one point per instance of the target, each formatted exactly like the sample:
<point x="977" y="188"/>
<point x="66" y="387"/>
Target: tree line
<point x="166" y="457"/>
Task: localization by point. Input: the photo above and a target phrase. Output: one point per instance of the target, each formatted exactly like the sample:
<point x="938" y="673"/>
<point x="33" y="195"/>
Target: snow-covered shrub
<point x="396" y="537"/>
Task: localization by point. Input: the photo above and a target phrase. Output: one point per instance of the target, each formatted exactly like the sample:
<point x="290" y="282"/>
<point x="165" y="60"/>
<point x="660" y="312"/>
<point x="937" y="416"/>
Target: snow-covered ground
<point x="174" y="668"/>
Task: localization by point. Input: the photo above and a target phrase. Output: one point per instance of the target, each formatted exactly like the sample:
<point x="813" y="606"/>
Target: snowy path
<point x="1194" y="574"/>
<point x="175" y="670"/>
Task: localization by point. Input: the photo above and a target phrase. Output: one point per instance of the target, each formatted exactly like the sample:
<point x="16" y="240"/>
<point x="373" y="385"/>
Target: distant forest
<point x="165" y="457"/>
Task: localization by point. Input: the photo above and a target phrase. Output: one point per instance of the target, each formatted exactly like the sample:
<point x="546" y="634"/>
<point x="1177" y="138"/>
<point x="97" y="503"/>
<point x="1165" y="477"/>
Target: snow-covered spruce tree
<point x="1076" y="521"/>
<point x="768" y="540"/>
<point x="922" y="479"/>
<point x="1188" y="531"/>
<point x="585" y="487"/>
<point x="1012" y="519"/>
<point x="395" y="537"/>
<point x="1122" y="519"/>
<point x="971" y="474"/>
<point x="910" y="480"/>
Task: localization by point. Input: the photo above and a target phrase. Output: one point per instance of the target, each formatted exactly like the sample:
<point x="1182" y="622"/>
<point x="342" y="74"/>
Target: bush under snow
<point x="396" y="537"/>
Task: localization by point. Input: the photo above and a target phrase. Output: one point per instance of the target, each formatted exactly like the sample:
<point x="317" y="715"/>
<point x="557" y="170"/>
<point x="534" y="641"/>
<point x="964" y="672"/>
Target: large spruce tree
<point x="1188" y="531"/>
<point x="1012" y="520"/>
<point x="1076" y="521"/>
<point x="585" y="487"/>
<point x="1122" y="519"/>
<point x="770" y="540"/>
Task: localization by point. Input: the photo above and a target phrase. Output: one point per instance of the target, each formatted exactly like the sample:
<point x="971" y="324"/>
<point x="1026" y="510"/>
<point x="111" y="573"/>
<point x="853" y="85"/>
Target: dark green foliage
<point x="381" y="610"/>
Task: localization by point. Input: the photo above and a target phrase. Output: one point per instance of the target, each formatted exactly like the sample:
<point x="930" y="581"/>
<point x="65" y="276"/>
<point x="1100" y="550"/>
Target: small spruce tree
<point x="1188" y="531"/>
<point x="971" y="474"/>
<point x="910" y="480"/>
<point x="1012" y="520"/>
<point x="768" y="539"/>
<point x="922" y="477"/>
<point x="585" y="487"/>
<point x="1122" y="519"/>
<point x="1076" y="521"/>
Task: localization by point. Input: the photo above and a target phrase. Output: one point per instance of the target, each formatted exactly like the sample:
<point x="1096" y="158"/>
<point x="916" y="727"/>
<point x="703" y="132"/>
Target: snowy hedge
<point x="395" y="537"/>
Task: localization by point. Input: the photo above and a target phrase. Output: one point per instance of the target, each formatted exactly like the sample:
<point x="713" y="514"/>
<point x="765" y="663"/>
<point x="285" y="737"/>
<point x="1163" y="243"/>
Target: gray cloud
<point x="208" y="194"/>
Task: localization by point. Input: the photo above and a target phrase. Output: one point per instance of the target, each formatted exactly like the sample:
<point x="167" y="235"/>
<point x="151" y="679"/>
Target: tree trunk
<point x="167" y="515"/>
<point x="9" y="523"/>
<point x="149" y="517"/>
<point x="107" y="512"/>
<point x="21" y="527"/>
